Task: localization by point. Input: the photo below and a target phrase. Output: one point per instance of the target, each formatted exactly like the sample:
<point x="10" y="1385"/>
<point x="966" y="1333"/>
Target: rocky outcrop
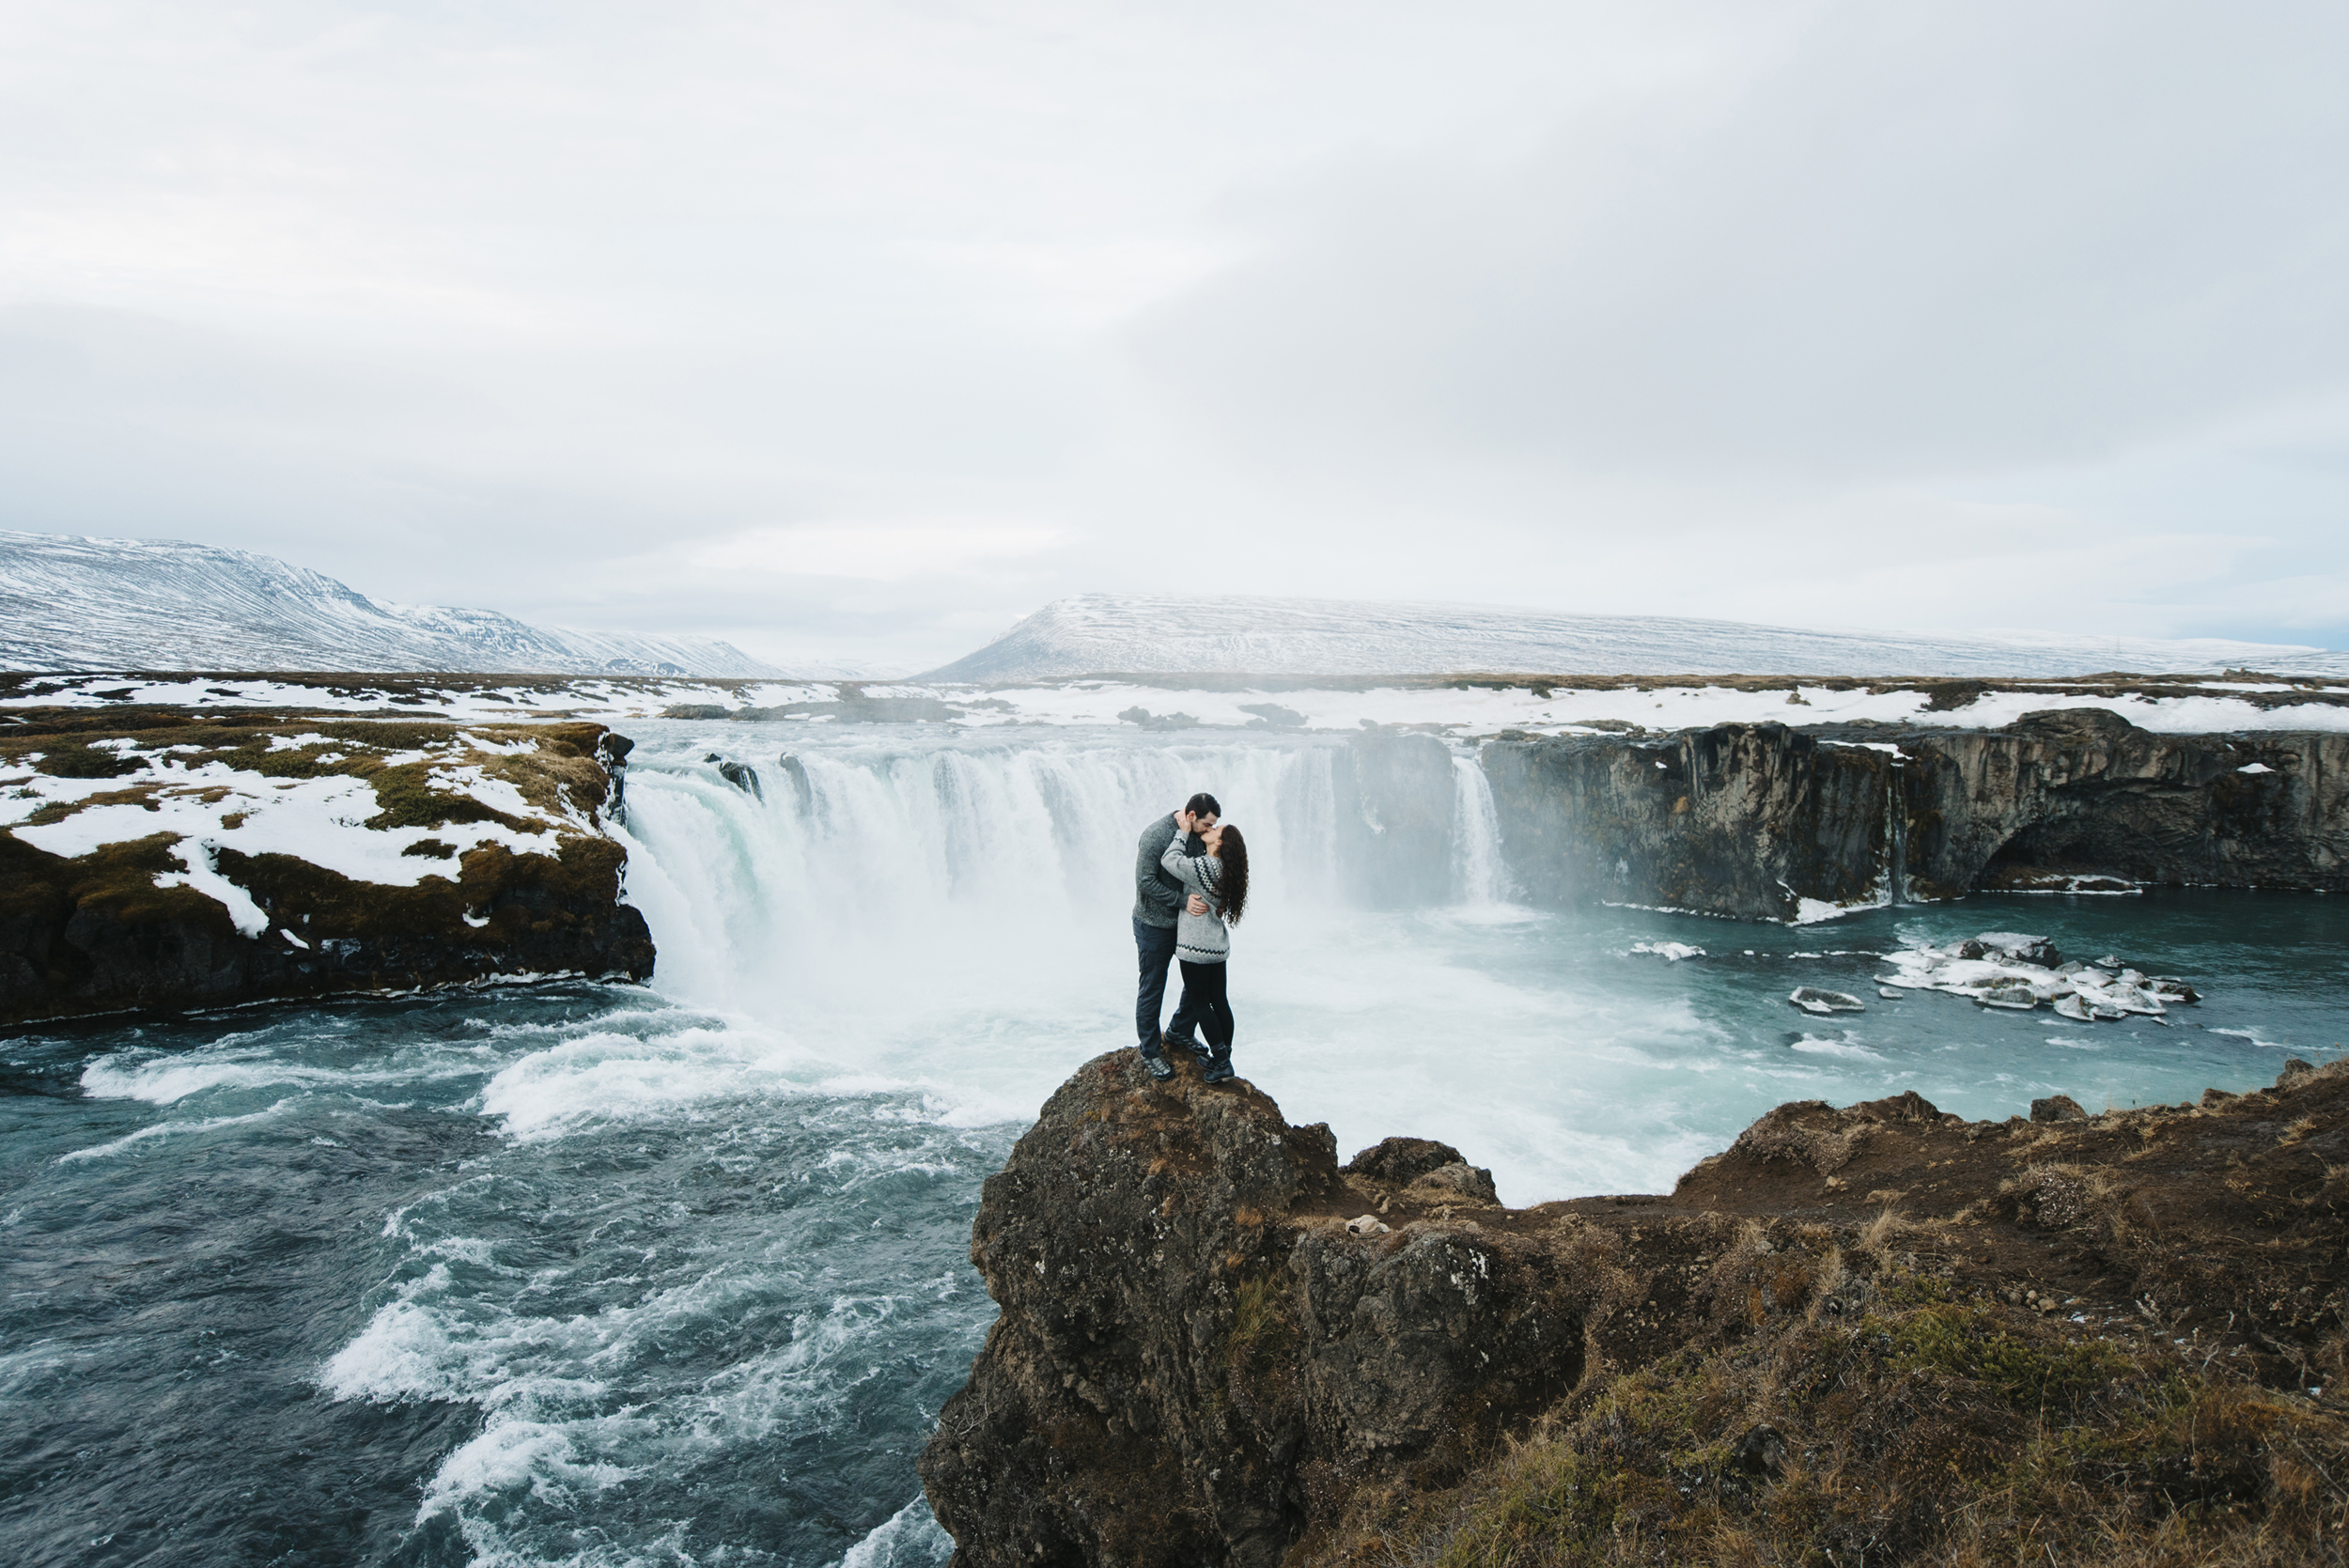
<point x="140" y="870"/>
<point x="1196" y="1354"/>
<point x="1857" y="1334"/>
<point x="1754" y="820"/>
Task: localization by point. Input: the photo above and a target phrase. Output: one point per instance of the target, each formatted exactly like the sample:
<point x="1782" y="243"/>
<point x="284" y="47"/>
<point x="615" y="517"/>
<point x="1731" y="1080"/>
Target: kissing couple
<point x="1190" y="882"/>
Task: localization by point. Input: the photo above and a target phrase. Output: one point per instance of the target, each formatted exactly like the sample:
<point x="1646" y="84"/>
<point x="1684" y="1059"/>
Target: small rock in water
<point x="2009" y="970"/>
<point x="1670" y="952"/>
<point x="802" y="786"/>
<point x="1889" y="994"/>
<point x="1812" y="1000"/>
<point x="2011" y="945"/>
<point x="740" y="775"/>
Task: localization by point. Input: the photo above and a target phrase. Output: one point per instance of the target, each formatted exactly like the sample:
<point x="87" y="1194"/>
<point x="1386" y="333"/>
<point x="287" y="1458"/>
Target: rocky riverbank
<point x="1875" y="1334"/>
<point x="176" y="858"/>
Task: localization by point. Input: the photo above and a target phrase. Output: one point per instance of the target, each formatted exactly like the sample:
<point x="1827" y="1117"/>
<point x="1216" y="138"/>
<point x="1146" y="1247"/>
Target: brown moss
<point x="392" y="735"/>
<point x="407" y="799"/>
<point x="1262" y="1331"/>
<point x="73" y="759"/>
<point x="57" y="811"/>
<point x="2029" y="1372"/>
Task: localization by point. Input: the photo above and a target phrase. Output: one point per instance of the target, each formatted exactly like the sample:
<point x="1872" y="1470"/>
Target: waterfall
<point x="1477" y="875"/>
<point x="903" y="864"/>
<point x="1896" y="869"/>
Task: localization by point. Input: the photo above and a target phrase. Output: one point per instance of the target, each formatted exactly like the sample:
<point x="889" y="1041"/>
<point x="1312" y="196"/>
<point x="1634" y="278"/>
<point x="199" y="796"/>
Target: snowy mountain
<point x="1104" y="634"/>
<point x="72" y="603"/>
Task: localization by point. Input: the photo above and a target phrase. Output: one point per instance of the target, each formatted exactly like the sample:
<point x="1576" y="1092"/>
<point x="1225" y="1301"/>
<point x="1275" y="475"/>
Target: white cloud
<point x="876" y="553"/>
<point x="1938" y="240"/>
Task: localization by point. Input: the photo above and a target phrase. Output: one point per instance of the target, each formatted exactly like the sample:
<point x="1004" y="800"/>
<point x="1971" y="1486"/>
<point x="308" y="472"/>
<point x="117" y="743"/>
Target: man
<point x="1158" y="899"/>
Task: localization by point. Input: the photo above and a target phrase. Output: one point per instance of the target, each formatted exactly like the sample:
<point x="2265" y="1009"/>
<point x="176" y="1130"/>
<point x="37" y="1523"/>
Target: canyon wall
<point x="1754" y="820"/>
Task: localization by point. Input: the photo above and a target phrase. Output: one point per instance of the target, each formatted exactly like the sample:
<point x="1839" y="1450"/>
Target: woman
<point x="1203" y="943"/>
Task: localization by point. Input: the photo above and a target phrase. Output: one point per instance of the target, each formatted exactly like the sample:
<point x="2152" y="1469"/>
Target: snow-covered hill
<point x="73" y="603"/>
<point x="1101" y="633"/>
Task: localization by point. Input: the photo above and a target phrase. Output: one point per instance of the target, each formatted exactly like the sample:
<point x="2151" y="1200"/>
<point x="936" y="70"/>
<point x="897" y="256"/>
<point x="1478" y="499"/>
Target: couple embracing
<point x="1190" y="882"/>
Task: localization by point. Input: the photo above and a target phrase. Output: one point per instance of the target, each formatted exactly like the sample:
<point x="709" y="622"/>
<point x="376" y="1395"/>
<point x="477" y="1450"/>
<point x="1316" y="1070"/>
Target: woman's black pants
<point x="1204" y="1006"/>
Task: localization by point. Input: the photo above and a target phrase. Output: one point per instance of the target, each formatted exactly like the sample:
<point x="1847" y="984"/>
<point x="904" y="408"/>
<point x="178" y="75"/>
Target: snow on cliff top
<point x="1106" y="633"/>
<point x="72" y="603"/>
<point x="2196" y="706"/>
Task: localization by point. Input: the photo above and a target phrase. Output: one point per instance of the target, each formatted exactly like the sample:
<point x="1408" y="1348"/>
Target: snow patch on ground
<point x="215" y="806"/>
<point x="323" y="821"/>
<point x="205" y="877"/>
<point x="1471" y="714"/>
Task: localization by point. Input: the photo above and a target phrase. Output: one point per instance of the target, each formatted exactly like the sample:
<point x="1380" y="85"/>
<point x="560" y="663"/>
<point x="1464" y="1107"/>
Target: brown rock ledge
<point x="1876" y="1334"/>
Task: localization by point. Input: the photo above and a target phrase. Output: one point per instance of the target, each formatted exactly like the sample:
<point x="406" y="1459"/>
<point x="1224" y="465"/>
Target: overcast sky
<point x="863" y="328"/>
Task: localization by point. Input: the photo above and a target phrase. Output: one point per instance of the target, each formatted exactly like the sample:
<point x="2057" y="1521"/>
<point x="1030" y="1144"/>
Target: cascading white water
<point x="901" y="866"/>
<point x="951" y="915"/>
<point x="1478" y="877"/>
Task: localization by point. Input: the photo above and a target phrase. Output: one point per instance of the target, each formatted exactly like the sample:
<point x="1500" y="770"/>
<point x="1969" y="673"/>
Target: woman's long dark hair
<point x="1230" y="883"/>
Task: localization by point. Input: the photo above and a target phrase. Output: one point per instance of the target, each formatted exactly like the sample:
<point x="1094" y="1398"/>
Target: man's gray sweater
<point x="1159" y="894"/>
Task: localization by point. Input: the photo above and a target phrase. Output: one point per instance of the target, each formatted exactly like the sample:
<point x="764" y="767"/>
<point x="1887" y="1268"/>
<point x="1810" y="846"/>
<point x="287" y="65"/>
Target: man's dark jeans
<point x="1154" y="946"/>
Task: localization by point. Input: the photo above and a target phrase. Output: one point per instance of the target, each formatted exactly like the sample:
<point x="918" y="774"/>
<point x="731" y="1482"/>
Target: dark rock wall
<point x="2085" y="789"/>
<point x="1741" y="819"/>
<point x="1747" y="819"/>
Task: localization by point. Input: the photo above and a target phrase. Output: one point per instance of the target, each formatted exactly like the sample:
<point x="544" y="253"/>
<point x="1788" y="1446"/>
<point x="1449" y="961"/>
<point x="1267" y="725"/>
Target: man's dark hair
<point x="1204" y="804"/>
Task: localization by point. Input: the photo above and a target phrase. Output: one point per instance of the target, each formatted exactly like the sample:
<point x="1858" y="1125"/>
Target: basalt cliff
<point x="169" y="859"/>
<point x="1764" y="822"/>
<point x="1877" y="1334"/>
